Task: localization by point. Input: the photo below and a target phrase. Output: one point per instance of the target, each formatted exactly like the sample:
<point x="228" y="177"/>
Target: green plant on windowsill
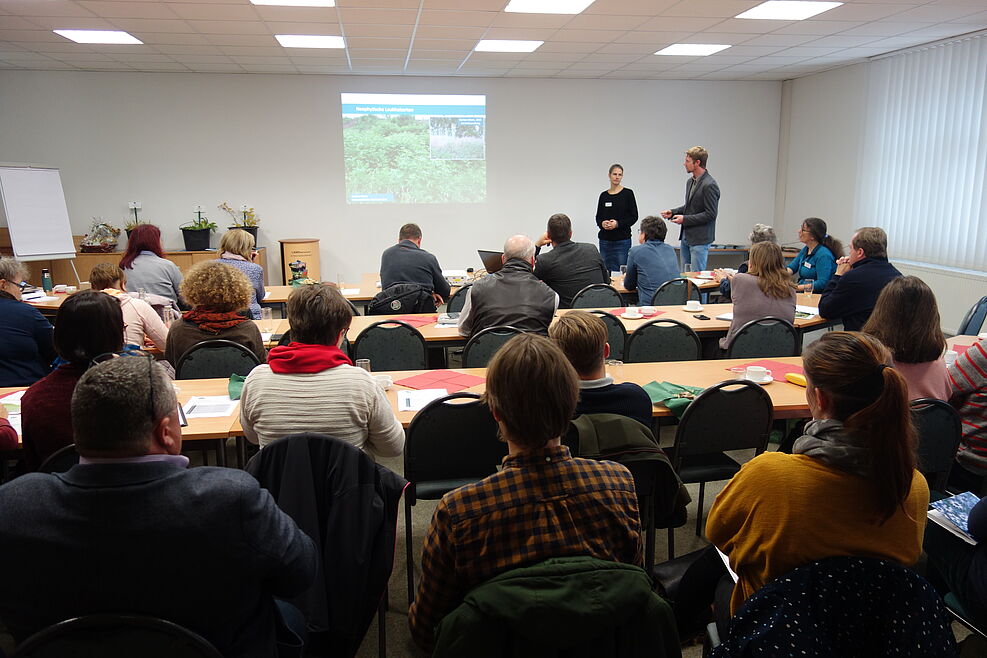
<point x="200" y="223"/>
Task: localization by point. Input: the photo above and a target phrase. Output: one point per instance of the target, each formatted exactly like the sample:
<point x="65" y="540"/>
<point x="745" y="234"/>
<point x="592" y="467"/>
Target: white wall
<point x="174" y="140"/>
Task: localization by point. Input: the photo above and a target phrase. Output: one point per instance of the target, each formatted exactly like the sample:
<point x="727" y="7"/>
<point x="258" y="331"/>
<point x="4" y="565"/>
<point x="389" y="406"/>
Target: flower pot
<point x="196" y="239"/>
<point x="252" y="230"/>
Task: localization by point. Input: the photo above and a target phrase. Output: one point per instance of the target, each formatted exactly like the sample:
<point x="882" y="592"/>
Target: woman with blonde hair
<point x="139" y="318"/>
<point x="766" y="290"/>
<point x="217" y="293"/>
<point x="237" y="249"/>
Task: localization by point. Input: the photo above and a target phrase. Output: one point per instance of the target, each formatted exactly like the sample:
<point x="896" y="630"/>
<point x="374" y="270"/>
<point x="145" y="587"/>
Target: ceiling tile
<point x="569" y="47"/>
<point x="470" y="18"/>
<point x="129" y="9"/>
<point x="862" y="11"/>
<point x="752" y="51"/>
<point x="536" y="34"/>
<point x="193" y="49"/>
<point x="72" y="23"/>
<point x="457" y="55"/>
<point x="383" y="4"/>
<point x="324" y="70"/>
<point x="132" y="58"/>
<point x="202" y="59"/>
<point x="513" y="19"/>
<point x="818" y="28"/>
<point x="743" y="26"/>
<point x="533" y="73"/>
<point x="367" y="30"/>
<point x="298" y="14"/>
<point x="134" y="25"/>
<point x="30" y="35"/>
<point x="841" y="41"/>
<point x="880" y="29"/>
<point x="678" y="24"/>
<point x="807" y="51"/>
<point x="449" y="32"/>
<point x="937" y="13"/>
<point x="251" y="59"/>
<point x="780" y="40"/>
<point x="482" y="5"/>
<point x="628" y="7"/>
<point x="241" y="39"/>
<point x="331" y="29"/>
<point x="162" y="66"/>
<point x="596" y="36"/>
<point x="216" y="68"/>
<point x="628" y="48"/>
<point x="170" y="39"/>
<point x="230" y="27"/>
<point x="710" y="8"/>
<point x="605" y="22"/>
<point x="438" y="66"/>
<point x="8" y="22"/>
<point x="609" y="57"/>
<point x="269" y="68"/>
<point x="366" y="42"/>
<point x="60" y="8"/>
<point x="444" y="44"/>
<point x="377" y="16"/>
<point x="318" y="61"/>
<point x="653" y="38"/>
<point x="979" y="18"/>
<point x="215" y="12"/>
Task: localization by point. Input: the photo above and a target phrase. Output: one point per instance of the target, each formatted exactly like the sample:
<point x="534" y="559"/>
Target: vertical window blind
<point x="924" y="161"/>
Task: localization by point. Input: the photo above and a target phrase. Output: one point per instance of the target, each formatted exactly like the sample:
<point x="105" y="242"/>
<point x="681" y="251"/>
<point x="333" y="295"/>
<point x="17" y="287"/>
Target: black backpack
<point x="402" y="298"/>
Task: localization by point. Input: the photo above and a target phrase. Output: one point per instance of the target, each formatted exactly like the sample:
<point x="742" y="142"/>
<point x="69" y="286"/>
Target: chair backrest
<point x="732" y="415"/>
<point x="483" y="345"/>
<point x="214" y="359"/>
<point x="597" y="295"/>
<point x="662" y="340"/>
<point x="764" y="338"/>
<point x="391" y="345"/>
<point x="675" y="292"/>
<point x="973" y="322"/>
<point x="116" y="636"/>
<point x="842" y="606"/>
<point x="286" y="338"/>
<point x="939" y="432"/>
<point x="60" y="461"/>
<point x="616" y="333"/>
<point x="458" y="299"/>
<point x="402" y="298"/>
<point x="452" y="438"/>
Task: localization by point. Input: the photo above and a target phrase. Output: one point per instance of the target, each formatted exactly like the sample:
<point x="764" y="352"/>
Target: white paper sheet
<point x="38" y="300"/>
<point x="812" y="311"/>
<point x="13" y="404"/>
<point x="725" y="316"/>
<point x="416" y="400"/>
<point x="210" y="406"/>
<point x="350" y="291"/>
<point x="265" y="336"/>
<point x="267" y="293"/>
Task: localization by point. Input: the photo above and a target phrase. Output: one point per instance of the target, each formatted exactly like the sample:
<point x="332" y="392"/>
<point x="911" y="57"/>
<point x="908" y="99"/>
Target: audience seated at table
<point x="569" y="266"/>
<point x="544" y="503"/>
<point x="760" y="233"/>
<point x="583" y="338"/>
<point x="652" y="262"/>
<point x="236" y="249"/>
<point x="407" y="262"/>
<point x="816" y="262"/>
<point x="906" y="320"/>
<point x="132" y="530"/>
<point x="146" y="267"/>
<point x="141" y="321"/>
<point x="765" y="290"/>
<point x="89" y="324"/>
<point x="218" y="294"/>
<point x="511" y="296"/>
<point x="850" y="488"/>
<point x="959" y="567"/>
<point x="852" y="292"/>
<point x="968" y="377"/>
<point x="26" y="350"/>
<point x="310" y="385"/>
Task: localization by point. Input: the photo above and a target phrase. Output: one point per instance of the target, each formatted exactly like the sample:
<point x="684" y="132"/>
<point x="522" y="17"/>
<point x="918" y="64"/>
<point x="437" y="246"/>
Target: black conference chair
<point x="973" y="321"/>
<point x="764" y="338"/>
<point x="60" y="461"/>
<point x="662" y="340"/>
<point x="483" y="345"/>
<point x="597" y="295"/>
<point x="212" y="359"/>
<point x="458" y="299"/>
<point x="939" y="432"/>
<point x="732" y="415"/>
<point x="286" y="338"/>
<point x="616" y="333"/>
<point x="675" y="292"/>
<point x="391" y="345"/>
<point x="115" y="636"/>
<point x="451" y="442"/>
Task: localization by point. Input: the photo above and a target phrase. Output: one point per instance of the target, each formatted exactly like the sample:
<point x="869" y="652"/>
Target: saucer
<point x="693" y="310"/>
<point x="631" y="316"/>
<point x="763" y="382"/>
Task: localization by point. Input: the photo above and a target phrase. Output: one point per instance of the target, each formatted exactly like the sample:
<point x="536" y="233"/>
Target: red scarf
<point x="213" y="321"/>
<point x="303" y="357"/>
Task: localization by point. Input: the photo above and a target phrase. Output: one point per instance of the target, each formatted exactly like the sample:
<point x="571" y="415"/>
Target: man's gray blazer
<point x="699" y="211"/>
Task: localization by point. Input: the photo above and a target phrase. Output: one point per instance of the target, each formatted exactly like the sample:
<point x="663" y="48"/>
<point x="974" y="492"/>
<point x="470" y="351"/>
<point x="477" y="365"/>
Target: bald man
<point x="512" y="296"/>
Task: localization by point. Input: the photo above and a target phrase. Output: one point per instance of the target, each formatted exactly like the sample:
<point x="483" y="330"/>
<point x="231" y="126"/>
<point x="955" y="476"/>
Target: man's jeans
<point x="614" y="253"/>
<point x="695" y="254"/>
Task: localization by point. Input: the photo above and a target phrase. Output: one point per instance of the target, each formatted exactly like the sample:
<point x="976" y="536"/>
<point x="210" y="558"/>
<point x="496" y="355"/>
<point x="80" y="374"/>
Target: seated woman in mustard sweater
<point x="850" y="488"/>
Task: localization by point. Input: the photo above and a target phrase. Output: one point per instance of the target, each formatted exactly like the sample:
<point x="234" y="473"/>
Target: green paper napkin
<point x="670" y="395"/>
<point x="235" y="387"/>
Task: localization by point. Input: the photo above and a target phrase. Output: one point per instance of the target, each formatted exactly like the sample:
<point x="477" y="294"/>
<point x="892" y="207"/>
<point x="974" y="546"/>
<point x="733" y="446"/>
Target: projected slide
<point x="414" y="148"/>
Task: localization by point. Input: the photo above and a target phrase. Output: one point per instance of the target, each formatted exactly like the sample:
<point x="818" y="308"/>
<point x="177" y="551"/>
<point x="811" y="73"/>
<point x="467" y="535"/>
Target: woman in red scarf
<point x="218" y="293"/>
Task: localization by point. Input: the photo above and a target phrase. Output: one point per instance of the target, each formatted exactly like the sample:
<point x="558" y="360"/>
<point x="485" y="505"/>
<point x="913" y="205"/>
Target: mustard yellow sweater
<point x="783" y="511"/>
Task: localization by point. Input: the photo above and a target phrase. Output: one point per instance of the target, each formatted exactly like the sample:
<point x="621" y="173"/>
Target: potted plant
<point x="101" y="238"/>
<point x="131" y="224"/>
<point x="246" y="219"/>
<point x="196" y="232"/>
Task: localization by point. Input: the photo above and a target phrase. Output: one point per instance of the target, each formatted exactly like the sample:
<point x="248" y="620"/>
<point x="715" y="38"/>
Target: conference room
<point x="837" y="116"/>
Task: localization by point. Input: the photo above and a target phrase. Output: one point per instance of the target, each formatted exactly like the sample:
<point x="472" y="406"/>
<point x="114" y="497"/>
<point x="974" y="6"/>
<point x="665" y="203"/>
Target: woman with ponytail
<point x="850" y="488"/>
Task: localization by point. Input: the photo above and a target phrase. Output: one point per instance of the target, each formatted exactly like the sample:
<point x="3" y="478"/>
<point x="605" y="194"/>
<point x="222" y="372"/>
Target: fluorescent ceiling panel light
<point x="548" y="6"/>
<point x="692" y="49"/>
<point x="99" y="36"/>
<point x="296" y="3"/>
<point x="309" y="41"/>
<point x="788" y="10"/>
<point x="506" y="46"/>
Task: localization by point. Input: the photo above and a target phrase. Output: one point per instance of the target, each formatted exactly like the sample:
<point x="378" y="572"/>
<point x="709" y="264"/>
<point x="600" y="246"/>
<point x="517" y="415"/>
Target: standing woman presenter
<point x="616" y="213"/>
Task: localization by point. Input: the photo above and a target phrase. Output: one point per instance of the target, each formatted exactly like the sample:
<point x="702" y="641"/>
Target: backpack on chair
<point x="402" y="298"/>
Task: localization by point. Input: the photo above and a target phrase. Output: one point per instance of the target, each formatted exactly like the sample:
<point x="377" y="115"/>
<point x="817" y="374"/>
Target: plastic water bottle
<point x="46" y="280"/>
<point x="142" y="295"/>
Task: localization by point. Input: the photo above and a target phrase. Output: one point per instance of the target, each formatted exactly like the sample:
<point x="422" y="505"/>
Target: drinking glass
<point x="364" y="363"/>
<point x="623" y="270"/>
<point x="615" y="369"/>
<point x="266" y="321"/>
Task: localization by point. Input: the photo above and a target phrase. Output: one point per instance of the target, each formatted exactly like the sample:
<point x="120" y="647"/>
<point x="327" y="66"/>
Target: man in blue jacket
<point x="860" y="277"/>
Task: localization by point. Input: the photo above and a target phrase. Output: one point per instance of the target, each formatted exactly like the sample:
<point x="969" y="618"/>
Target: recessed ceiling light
<point x="296" y="3"/>
<point x="506" y="46"/>
<point x="548" y="6"/>
<point x="692" y="49"/>
<point x="788" y="10"/>
<point x="309" y="41"/>
<point x="98" y="36"/>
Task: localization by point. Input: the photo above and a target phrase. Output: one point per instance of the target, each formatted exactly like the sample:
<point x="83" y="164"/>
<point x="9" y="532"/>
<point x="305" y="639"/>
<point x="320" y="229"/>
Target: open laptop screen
<point x="492" y="260"/>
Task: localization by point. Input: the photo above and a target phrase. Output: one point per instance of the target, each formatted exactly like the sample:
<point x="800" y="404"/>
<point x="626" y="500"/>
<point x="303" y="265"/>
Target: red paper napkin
<point x="417" y="320"/>
<point x="450" y="380"/>
<point x="777" y="368"/>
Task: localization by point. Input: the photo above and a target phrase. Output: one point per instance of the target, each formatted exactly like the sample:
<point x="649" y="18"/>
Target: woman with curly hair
<point x="217" y="293"/>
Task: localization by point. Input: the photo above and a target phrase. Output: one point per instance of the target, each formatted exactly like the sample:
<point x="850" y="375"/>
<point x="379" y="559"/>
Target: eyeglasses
<point x="109" y="356"/>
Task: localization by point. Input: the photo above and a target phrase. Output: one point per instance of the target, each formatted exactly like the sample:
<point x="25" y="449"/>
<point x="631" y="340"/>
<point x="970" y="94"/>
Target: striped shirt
<point x="968" y="376"/>
<point x="544" y="503"/>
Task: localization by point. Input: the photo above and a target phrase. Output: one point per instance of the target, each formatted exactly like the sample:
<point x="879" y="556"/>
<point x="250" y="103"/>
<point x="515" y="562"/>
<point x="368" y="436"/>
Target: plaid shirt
<point x="544" y="503"/>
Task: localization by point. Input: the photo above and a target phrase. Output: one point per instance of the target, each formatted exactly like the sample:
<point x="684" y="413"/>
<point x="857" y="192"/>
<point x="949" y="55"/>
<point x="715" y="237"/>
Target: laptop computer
<point x="492" y="260"/>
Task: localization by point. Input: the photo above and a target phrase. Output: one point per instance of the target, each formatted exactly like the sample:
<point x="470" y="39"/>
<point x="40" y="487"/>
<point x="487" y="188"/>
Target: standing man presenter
<point x="697" y="216"/>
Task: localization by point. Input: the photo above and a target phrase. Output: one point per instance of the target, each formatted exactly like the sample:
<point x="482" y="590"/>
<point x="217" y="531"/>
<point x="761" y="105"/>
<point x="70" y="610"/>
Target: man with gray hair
<point x="114" y="534"/>
<point x="511" y="296"/>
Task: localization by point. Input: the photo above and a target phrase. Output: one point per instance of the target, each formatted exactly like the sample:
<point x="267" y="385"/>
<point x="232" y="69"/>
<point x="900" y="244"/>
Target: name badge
<point x="608" y="204"/>
<point x="807" y="265"/>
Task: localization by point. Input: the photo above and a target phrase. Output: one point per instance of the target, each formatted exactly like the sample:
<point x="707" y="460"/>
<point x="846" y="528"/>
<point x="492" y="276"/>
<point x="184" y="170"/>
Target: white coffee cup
<point x="950" y="357"/>
<point x="756" y="373"/>
<point x="384" y="381"/>
<point x="59" y="288"/>
<point x="649" y="310"/>
<point x="633" y="310"/>
<point x="693" y="305"/>
<point x="70" y="289"/>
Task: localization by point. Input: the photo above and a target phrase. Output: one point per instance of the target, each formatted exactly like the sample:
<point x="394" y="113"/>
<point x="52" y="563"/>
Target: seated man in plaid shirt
<point x="544" y="503"/>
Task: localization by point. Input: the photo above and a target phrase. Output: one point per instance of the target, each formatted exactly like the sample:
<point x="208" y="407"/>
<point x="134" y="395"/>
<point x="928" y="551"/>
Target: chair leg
<point x="671" y="543"/>
<point x="699" y="512"/>
<point x="408" y="553"/>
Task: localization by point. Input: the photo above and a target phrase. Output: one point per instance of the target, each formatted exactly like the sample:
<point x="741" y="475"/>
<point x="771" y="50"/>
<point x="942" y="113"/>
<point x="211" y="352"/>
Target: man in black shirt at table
<point x="407" y="262"/>
<point x="569" y="266"/>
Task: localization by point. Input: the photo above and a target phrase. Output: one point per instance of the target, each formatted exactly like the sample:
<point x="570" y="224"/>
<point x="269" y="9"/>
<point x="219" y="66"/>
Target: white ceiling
<point x="612" y="39"/>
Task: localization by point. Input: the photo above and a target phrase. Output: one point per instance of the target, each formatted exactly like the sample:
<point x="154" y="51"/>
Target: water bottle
<point x="142" y="295"/>
<point x="46" y="280"/>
